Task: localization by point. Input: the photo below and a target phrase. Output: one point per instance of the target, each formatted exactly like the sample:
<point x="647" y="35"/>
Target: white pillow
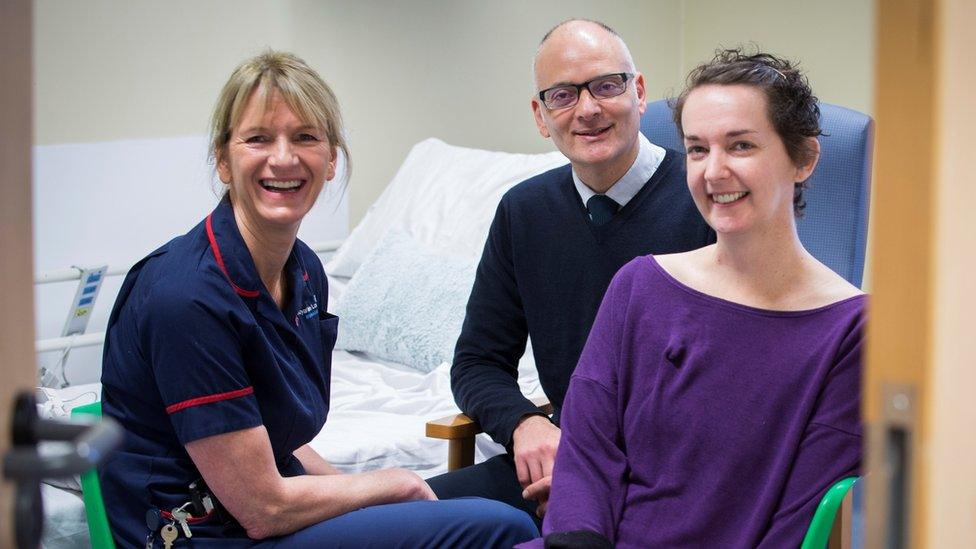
<point x="443" y="196"/>
<point x="406" y="303"/>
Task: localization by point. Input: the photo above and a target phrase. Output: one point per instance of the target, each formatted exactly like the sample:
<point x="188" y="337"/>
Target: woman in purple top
<point x="718" y="394"/>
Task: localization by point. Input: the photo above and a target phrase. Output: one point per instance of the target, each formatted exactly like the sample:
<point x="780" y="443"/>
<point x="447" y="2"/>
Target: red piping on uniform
<point x="189" y="403"/>
<point x="220" y="262"/>
<point x="189" y="519"/>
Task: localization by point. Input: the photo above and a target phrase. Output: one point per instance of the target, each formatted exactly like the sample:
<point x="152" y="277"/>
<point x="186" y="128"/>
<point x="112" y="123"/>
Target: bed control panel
<point x="84" y="301"/>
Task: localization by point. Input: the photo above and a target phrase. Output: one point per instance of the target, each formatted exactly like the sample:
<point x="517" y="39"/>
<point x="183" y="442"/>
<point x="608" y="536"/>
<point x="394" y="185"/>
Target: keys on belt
<point x="168" y="535"/>
<point x="170" y="525"/>
<point x="173" y="523"/>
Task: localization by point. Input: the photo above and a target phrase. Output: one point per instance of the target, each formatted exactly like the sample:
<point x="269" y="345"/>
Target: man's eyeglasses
<point x="601" y="87"/>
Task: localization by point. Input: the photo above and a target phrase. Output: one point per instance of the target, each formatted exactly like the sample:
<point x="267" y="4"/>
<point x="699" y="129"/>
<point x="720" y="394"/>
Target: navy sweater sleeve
<point x="484" y="376"/>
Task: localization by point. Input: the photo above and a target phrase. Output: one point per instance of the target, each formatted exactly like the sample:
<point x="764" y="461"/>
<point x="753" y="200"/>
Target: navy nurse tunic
<point x="196" y="347"/>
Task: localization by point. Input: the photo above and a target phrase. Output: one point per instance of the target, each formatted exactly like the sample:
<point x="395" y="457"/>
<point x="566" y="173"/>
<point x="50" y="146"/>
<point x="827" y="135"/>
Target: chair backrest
<point x="834" y="227"/>
<point x="99" y="532"/>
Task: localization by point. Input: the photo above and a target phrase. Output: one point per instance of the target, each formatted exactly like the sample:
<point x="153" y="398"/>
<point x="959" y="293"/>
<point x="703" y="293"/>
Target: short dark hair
<point x="793" y="109"/>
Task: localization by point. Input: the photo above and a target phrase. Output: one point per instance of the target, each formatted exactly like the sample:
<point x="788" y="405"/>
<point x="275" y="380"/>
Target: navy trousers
<point x="462" y="523"/>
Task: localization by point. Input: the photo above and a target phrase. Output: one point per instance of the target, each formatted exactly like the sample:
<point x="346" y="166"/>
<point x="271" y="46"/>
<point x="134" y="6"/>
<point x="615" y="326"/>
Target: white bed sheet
<point x="379" y="410"/>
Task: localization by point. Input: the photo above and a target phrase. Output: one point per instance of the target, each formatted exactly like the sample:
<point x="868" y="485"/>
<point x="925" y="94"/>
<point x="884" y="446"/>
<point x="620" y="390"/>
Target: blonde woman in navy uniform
<point x="218" y="356"/>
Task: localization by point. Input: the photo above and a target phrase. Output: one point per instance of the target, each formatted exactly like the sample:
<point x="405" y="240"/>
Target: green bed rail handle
<point x="823" y="519"/>
<point x="91" y="492"/>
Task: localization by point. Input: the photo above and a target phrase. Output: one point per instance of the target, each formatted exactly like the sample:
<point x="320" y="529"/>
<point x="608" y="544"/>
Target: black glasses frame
<point x="625" y="76"/>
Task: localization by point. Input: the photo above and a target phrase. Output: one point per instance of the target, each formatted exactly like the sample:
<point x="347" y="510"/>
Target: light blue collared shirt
<point x="649" y="158"/>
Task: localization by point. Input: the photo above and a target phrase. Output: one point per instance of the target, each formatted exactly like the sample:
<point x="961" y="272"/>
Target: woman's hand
<point x="239" y="468"/>
<point x="405" y="485"/>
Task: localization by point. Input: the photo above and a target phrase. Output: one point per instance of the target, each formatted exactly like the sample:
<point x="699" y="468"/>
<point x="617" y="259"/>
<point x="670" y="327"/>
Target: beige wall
<point x="833" y="40"/>
<point x="404" y="71"/>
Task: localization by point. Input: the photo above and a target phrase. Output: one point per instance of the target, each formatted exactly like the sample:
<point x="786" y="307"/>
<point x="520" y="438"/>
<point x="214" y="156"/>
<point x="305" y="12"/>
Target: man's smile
<point x="594" y="132"/>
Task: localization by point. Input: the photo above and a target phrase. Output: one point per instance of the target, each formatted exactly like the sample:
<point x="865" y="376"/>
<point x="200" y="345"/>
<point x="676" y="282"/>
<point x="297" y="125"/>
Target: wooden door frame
<point x="16" y="270"/>
<point x="919" y="379"/>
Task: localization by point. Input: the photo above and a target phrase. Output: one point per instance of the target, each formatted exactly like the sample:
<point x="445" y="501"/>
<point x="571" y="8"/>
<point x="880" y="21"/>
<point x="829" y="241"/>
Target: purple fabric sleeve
<point x="828" y="450"/>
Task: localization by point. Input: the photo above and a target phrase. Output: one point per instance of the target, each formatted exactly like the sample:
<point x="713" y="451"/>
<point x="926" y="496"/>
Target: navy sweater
<point x="543" y="273"/>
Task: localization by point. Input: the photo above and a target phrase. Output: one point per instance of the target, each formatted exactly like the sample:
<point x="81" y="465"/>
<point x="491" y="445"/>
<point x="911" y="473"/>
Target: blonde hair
<point x="302" y="89"/>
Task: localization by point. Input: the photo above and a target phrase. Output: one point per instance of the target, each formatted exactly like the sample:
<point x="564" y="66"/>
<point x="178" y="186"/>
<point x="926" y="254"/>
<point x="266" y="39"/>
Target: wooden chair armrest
<point x="453" y="427"/>
<point x="459" y="430"/>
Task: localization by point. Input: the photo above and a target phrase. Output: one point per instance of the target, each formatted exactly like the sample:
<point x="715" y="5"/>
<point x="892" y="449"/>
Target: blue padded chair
<point x="834" y="227"/>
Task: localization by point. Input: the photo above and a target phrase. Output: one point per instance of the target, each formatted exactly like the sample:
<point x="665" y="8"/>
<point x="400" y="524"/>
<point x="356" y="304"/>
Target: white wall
<point x="111" y="72"/>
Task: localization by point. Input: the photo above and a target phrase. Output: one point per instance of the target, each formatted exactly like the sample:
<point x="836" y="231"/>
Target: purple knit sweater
<point x="692" y="421"/>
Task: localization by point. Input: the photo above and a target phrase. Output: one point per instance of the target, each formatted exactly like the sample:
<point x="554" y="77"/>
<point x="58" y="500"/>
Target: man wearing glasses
<point x="556" y="241"/>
